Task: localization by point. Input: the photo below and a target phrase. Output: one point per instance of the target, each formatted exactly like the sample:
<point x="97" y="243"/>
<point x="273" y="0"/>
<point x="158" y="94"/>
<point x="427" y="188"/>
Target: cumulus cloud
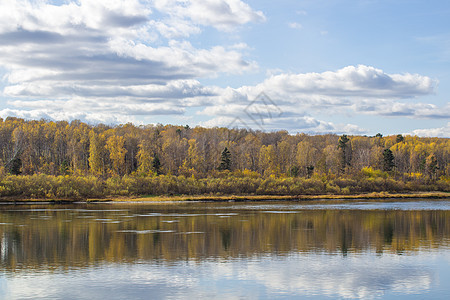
<point x="105" y="57"/>
<point x="266" y="115"/>
<point x="433" y="132"/>
<point x="392" y="108"/>
<point x="221" y="14"/>
<point x="357" y="88"/>
<point x="52" y="114"/>
<point x="350" y="90"/>
<point x="351" y="81"/>
<point x="296" y="124"/>
<point x="71" y="18"/>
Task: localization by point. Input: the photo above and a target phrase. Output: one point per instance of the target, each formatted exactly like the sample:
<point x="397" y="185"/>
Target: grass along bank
<point x="369" y="196"/>
<point x="237" y="198"/>
<point x="178" y="188"/>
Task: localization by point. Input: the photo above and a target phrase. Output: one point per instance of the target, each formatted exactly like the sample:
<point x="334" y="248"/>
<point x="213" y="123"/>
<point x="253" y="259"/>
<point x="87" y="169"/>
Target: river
<point x="230" y="250"/>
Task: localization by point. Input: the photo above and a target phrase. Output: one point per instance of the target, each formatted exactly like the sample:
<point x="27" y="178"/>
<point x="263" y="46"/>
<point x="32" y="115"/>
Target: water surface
<point x="264" y="250"/>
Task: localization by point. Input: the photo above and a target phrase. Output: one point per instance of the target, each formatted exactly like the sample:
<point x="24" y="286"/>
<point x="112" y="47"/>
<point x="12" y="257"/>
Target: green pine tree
<point x="225" y="160"/>
<point x="346" y="154"/>
<point x="15" y="166"/>
<point x="388" y="160"/>
<point x="156" y="164"/>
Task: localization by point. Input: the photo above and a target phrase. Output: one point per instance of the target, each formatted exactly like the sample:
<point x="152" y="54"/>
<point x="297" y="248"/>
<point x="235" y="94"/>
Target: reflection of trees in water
<point x="71" y="238"/>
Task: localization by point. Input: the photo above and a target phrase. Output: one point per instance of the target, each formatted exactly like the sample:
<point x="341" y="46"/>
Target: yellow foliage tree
<point x="306" y="157"/>
<point x="115" y="146"/>
<point x="268" y="160"/>
<point x="145" y="159"/>
<point x="193" y="159"/>
<point x="96" y="154"/>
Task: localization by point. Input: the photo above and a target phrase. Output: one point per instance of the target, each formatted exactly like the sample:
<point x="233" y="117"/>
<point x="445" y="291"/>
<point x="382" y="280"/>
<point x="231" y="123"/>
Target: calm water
<point x="226" y="250"/>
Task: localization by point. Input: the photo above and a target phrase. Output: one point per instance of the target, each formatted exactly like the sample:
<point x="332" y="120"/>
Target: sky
<point x="357" y="67"/>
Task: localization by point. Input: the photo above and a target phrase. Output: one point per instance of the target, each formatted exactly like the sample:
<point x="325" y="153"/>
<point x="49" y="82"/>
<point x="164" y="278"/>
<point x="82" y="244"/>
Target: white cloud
<point x="401" y="109"/>
<point x="295" y="25"/>
<point x="300" y="97"/>
<point x="70" y="18"/>
<point x="433" y="132"/>
<point x="173" y="29"/>
<point x="221" y="14"/>
<point x="103" y="60"/>
<point x="351" y="81"/>
<point x="270" y="118"/>
<point x="86" y="29"/>
<point x="51" y="114"/>
<point x="182" y="57"/>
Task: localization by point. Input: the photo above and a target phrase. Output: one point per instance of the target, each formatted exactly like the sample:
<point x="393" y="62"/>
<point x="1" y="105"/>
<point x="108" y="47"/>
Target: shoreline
<point x="227" y="198"/>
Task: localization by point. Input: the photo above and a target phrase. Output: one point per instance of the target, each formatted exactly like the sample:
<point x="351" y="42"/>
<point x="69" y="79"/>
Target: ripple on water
<point x="145" y="231"/>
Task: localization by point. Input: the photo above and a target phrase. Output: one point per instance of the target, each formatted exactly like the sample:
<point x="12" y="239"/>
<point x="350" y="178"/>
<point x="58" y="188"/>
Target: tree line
<point x="31" y="147"/>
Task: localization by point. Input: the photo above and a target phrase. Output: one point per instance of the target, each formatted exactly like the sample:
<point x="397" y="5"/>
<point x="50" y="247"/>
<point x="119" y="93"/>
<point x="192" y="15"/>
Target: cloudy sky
<point x="314" y="66"/>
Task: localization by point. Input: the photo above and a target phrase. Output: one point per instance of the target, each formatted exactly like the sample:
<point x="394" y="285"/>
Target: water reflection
<point x="311" y="276"/>
<point x="35" y="237"/>
<point x="222" y="251"/>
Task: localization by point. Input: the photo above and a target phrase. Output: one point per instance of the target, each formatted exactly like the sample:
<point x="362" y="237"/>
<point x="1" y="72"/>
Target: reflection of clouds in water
<point x="347" y="205"/>
<point x="103" y="282"/>
<point x="345" y="277"/>
<point x="355" y="276"/>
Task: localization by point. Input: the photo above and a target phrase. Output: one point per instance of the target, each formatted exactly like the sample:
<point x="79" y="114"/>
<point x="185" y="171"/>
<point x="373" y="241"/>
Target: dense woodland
<point x="77" y="160"/>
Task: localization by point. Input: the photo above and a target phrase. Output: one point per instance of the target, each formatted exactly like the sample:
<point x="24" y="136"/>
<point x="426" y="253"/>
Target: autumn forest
<point x="45" y="159"/>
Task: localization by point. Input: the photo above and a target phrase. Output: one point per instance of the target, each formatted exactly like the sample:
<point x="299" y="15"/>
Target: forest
<point x="46" y="159"/>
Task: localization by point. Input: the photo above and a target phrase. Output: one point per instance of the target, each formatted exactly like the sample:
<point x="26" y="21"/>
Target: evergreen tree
<point x="379" y="139"/>
<point x="346" y="155"/>
<point x="388" y="160"/>
<point x="294" y="171"/>
<point x="15" y="166"/>
<point x="156" y="164"/>
<point x="432" y="166"/>
<point x="309" y="171"/>
<point x="64" y="168"/>
<point x="225" y="160"/>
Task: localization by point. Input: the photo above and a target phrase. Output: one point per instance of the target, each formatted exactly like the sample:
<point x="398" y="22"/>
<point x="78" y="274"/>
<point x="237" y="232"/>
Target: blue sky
<point x="337" y="66"/>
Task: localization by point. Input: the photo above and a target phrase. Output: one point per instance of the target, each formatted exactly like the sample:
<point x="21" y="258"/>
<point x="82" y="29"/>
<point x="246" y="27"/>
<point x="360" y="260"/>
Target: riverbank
<point x="76" y="188"/>
<point x="382" y="195"/>
<point x="225" y="198"/>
